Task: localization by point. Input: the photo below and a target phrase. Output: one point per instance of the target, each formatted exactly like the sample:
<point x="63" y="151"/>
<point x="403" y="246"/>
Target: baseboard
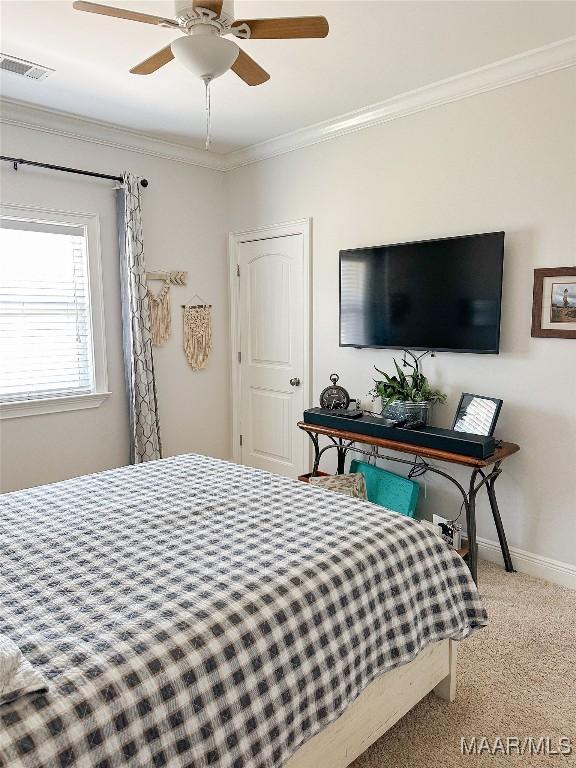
<point x="527" y="562"/>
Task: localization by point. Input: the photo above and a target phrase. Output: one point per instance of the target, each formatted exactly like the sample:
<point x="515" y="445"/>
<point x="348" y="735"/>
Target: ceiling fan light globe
<point x="206" y="56"/>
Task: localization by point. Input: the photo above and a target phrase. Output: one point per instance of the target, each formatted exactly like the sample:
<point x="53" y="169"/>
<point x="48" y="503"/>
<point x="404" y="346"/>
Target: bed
<point x="194" y="612"/>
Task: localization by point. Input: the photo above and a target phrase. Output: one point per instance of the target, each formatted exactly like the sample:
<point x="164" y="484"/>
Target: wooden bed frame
<point x="379" y="706"/>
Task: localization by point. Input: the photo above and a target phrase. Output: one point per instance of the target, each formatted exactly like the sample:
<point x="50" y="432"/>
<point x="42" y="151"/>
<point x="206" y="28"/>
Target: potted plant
<point x="406" y="395"/>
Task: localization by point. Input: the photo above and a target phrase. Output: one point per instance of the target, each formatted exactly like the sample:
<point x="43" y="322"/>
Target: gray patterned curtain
<point x="138" y="361"/>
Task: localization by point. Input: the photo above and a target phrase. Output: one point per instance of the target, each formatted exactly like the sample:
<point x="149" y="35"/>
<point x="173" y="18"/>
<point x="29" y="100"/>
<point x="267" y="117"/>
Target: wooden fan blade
<point x="210" y="5"/>
<point x="275" y="29"/>
<point x="154" y="62"/>
<point x="247" y="69"/>
<point x="120" y="13"/>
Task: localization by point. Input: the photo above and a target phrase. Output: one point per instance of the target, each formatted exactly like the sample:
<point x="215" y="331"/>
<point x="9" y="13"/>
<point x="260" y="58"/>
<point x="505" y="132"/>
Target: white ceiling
<point x="375" y="50"/>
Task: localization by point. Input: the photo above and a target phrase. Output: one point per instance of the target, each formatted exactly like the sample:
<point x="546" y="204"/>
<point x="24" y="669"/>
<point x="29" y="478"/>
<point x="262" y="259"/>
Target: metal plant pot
<point x="399" y="409"/>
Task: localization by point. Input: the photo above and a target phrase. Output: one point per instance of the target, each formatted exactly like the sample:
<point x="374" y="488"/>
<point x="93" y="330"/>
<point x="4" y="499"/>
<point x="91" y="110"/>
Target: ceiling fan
<point x="203" y="48"/>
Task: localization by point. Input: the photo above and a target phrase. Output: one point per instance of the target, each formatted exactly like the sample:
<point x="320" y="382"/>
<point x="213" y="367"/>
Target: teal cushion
<point x="387" y="489"/>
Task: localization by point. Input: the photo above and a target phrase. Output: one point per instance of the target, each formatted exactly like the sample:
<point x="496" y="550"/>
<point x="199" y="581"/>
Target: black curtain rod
<point x="16" y="161"/>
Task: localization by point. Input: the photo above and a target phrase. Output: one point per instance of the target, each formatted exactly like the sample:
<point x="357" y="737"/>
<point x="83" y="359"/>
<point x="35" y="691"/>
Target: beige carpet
<point x="517" y="677"/>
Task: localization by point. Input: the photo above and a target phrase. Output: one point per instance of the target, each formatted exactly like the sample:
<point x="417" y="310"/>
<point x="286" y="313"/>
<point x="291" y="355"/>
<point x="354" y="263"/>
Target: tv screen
<point x="442" y="295"/>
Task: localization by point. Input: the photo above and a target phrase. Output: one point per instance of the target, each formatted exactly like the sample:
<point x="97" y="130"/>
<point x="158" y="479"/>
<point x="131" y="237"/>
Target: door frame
<point x="298" y="227"/>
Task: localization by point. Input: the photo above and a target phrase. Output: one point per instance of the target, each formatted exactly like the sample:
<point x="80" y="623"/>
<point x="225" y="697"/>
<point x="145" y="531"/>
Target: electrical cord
<point x="459" y="514"/>
<point x="420" y="468"/>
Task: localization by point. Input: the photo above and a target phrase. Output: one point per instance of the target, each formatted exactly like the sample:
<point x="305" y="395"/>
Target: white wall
<point x="184" y="228"/>
<point x="502" y="160"/>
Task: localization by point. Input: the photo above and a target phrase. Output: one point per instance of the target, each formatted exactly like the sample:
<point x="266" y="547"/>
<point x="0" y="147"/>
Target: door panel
<point x="270" y="414"/>
<point x="269" y="297"/>
<point x="271" y="303"/>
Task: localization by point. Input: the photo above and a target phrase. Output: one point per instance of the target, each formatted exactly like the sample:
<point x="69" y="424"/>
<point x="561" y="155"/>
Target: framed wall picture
<point x="554" y="303"/>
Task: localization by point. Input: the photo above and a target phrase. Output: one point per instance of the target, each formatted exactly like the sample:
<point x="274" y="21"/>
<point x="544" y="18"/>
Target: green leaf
<point x="413" y="387"/>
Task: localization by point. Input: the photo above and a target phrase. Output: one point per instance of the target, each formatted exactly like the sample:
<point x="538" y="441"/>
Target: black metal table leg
<point x="341" y="451"/>
<point x="470" y="505"/>
<point x="316" y="443"/>
<point x="498" y="521"/>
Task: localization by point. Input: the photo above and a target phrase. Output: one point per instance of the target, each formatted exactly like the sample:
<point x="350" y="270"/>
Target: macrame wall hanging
<point x="160" y="313"/>
<point x="197" y="334"/>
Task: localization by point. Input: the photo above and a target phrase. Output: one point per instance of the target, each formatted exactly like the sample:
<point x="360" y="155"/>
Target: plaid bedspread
<point x="193" y="612"/>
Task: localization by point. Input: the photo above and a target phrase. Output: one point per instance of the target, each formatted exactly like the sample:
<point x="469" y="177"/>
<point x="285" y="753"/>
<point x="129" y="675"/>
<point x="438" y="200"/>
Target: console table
<point x="483" y="473"/>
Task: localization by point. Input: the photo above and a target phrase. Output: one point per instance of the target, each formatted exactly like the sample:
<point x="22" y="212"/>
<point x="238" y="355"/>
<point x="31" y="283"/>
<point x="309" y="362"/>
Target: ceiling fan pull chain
<point x="207" y="82"/>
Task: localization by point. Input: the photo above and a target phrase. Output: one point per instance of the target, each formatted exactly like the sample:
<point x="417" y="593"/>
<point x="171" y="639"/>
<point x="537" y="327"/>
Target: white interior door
<point x="272" y="304"/>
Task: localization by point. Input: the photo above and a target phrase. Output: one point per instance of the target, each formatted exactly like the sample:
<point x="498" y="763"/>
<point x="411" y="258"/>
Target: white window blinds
<point x="45" y="330"/>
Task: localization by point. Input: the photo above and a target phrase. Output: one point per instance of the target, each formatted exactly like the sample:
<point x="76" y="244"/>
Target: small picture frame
<point x="554" y="303"/>
<point x="477" y="414"/>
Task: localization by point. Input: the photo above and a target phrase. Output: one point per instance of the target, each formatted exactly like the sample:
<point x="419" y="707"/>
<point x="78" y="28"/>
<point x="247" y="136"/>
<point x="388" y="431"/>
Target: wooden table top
<point x="502" y="451"/>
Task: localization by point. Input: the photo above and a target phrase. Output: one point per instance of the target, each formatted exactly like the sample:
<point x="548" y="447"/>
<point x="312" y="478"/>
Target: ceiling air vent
<point x="24" y="68"/>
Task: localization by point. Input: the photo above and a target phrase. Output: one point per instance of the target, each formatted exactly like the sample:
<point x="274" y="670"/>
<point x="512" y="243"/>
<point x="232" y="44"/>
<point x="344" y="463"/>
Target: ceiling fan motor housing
<point x="188" y="12"/>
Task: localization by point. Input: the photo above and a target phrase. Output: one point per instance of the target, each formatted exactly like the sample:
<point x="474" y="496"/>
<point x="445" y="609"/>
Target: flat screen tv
<point x="441" y="295"/>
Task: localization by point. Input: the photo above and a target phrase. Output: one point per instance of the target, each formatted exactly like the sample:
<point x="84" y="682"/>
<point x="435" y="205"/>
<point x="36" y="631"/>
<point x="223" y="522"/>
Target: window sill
<point x="52" y="405"/>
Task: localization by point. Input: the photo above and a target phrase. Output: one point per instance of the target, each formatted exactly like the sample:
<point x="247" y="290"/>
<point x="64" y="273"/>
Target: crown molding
<point x="34" y="118"/>
<point x="534" y="63"/>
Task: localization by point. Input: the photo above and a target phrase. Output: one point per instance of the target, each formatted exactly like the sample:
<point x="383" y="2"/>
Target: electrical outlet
<point x="451" y="532"/>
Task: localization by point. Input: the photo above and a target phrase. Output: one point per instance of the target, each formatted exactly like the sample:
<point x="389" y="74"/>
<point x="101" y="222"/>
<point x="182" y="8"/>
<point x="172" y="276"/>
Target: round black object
<point x="334" y="397"/>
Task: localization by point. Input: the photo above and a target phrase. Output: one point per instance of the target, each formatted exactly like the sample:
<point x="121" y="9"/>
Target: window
<point x="51" y="323"/>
